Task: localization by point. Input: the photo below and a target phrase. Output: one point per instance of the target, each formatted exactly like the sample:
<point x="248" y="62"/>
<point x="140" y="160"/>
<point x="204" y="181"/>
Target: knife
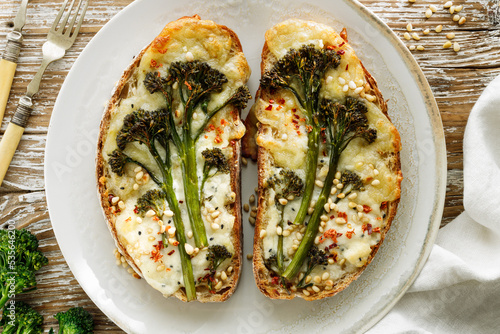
<point x="8" y="63"/>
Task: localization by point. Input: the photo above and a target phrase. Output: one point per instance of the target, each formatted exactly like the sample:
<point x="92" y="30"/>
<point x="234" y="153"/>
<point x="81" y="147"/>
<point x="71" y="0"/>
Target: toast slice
<point x="168" y="161"/>
<point x="328" y="163"/>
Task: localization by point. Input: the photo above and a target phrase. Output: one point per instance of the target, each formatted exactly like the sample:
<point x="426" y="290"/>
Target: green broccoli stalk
<point x="342" y="123"/>
<point x="216" y="255"/>
<point x="286" y="185"/>
<point x="24" y="319"/>
<point x="193" y="83"/>
<point x="315" y="257"/>
<point x="302" y="72"/>
<point x="214" y="159"/>
<point x="76" y="320"/>
<point x="19" y="260"/>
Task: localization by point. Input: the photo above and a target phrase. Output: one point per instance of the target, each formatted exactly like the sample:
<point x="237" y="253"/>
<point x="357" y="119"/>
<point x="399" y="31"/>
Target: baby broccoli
<point x="216" y="255"/>
<point x="19" y="260"/>
<point x="342" y="123"/>
<point x="23" y="319"/>
<point x="152" y="200"/>
<point x="286" y="185"/>
<point x="76" y="320"/>
<point x="187" y="90"/>
<point x="214" y="159"/>
<point x="315" y="257"/>
<point x="302" y="72"/>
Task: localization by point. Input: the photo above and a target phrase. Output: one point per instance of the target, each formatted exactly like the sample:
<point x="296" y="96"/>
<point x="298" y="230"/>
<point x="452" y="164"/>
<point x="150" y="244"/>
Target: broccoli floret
<point x="23" y="319"/>
<point x="187" y="88"/>
<point x="214" y="159"/>
<point x="351" y="181"/>
<point x="302" y="72"/>
<point x="315" y="257"/>
<point x="76" y="320"/>
<point x="152" y="200"/>
<point x="19" y="260"/>
<point x="216" y="255"/>
<point x="287" y="183"/>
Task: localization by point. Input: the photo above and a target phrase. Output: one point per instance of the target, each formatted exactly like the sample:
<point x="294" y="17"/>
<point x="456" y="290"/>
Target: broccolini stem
<point x="187" y="268"/>
<point x="5" y="296"/>
<point x="313" y="225"/>
<point x="190" y="175"/>
<point x="280" y="256"/>
<point x="311" y="165"/>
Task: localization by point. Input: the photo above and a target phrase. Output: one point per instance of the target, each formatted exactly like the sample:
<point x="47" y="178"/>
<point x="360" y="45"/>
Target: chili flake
<point x="349" y="234"/>
<point x="269" y="107"/>
<point x="366" y="208"/>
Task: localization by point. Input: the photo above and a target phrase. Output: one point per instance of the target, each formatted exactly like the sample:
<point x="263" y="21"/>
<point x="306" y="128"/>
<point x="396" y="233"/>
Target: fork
<point x="59" y="39"/>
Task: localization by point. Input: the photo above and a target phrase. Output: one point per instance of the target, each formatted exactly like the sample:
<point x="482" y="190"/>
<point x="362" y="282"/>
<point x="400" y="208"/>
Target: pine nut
<point x="462" y="20"/>
<point x="428" y="13"/>
<point x="447" y="45"/>
<point x="439" y="28"/>
<point x="456" y="47"/>
<point x="450" y="35"/>
<point x="456" y="17"/>
<point x="409" y="27"/>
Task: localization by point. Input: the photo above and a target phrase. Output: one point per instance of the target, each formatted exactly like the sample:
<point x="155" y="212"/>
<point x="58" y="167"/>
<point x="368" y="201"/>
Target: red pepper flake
<point x="175" y="243"/>
<point x="343" y="215"/>
<point x="340" y="52"/>
<point x="330" y="47"/>
<point x="223" y="122"/>
<point x="367" y="228"/>
<point x="298" y="132"/>
<point x="275" y="280"/>
<point x="136" y="210"/>
<point x="269" y="107"/>
<point x="349" y="234"/>
<point x="376" y="230"/>
<point x="309" y="128"/>
<point x="155" y="253"/>
<point x="188" y="85"/>
<point x="294" y="110"/>
<point x="296" y="116"/>
<point x="332" y="234"/>
<point x="347" y="67"/>
<point x="383" y="206"/>
<point x="155" y="218"/>
<point x="128" y="219"/>
<point x="206" y="137"/>
<point x="341" y="44"/>
<point x="379" y="218"/>
<point x="279" y="108"/>
<point x="332" y="216"/>
<point x="110" y="198"/>
<point x="271" y="101"/>
<point x="171" y="252"/>
<point x="154" y="64"/>
<point x="281" y="101"/>
<point x="366" y="209"/>
<point x="217" y="139"/>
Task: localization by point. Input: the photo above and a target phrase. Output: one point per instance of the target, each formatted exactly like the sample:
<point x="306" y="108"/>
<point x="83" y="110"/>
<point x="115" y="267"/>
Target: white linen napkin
<point x="458" y="290"/>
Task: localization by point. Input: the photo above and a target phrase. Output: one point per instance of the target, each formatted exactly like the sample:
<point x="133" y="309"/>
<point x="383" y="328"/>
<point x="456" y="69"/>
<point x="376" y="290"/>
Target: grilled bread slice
<point x="168" y="161"/>
<point x="328" y="163"/>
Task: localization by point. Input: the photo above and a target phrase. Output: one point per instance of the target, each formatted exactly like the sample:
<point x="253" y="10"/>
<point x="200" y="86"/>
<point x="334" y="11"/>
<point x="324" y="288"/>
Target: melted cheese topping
<point x="286" y="142"/>
<point x="193" y="40"/>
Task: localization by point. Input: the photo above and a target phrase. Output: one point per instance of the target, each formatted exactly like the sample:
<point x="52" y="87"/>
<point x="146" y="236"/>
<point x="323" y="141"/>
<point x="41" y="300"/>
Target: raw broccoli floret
<point x="23" y="319"/>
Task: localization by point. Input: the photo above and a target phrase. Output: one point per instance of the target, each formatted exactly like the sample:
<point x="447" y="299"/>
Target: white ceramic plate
<point x="87" y="245"/>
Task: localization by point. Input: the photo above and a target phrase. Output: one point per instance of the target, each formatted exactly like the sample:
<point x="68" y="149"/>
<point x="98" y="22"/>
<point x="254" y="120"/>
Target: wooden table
<point x="457" y="80"/>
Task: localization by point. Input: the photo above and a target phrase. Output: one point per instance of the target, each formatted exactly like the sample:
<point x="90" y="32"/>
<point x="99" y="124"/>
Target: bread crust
<point x="120" y="91"/>
<point x="264" y="159"/>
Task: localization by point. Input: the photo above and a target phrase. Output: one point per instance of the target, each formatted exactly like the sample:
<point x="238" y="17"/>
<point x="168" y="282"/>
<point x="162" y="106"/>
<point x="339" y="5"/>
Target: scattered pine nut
<point x="448" y="4"/>
<point x="439" y="28"/>
<point x="447" y="45"/>
<point x="433" y="8"/>
<point x="450" y="35"/>
<point x="462" y="20"/>
<point x="249" y="256"/>
<point x="428" y="13"/>
<point x="263" y="234"/>
<point x="426" y="32"/>
<point x="251" y="220"/>
<point x="252" y="199"/>
<point x="244" y="161"/>
<point x="458" y="8"/>
<point x="452" y="10"/>
<point x="415" y="36"/>
<point x="246" y="207"/>
<point x="409" y="27"/>
<point x="419" y="48"/>
<point x="456" y="47"/>
<point x="456" y="17"/>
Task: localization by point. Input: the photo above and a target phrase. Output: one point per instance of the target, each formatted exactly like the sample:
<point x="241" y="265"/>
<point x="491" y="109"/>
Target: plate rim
<point x="437" y="136"/>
